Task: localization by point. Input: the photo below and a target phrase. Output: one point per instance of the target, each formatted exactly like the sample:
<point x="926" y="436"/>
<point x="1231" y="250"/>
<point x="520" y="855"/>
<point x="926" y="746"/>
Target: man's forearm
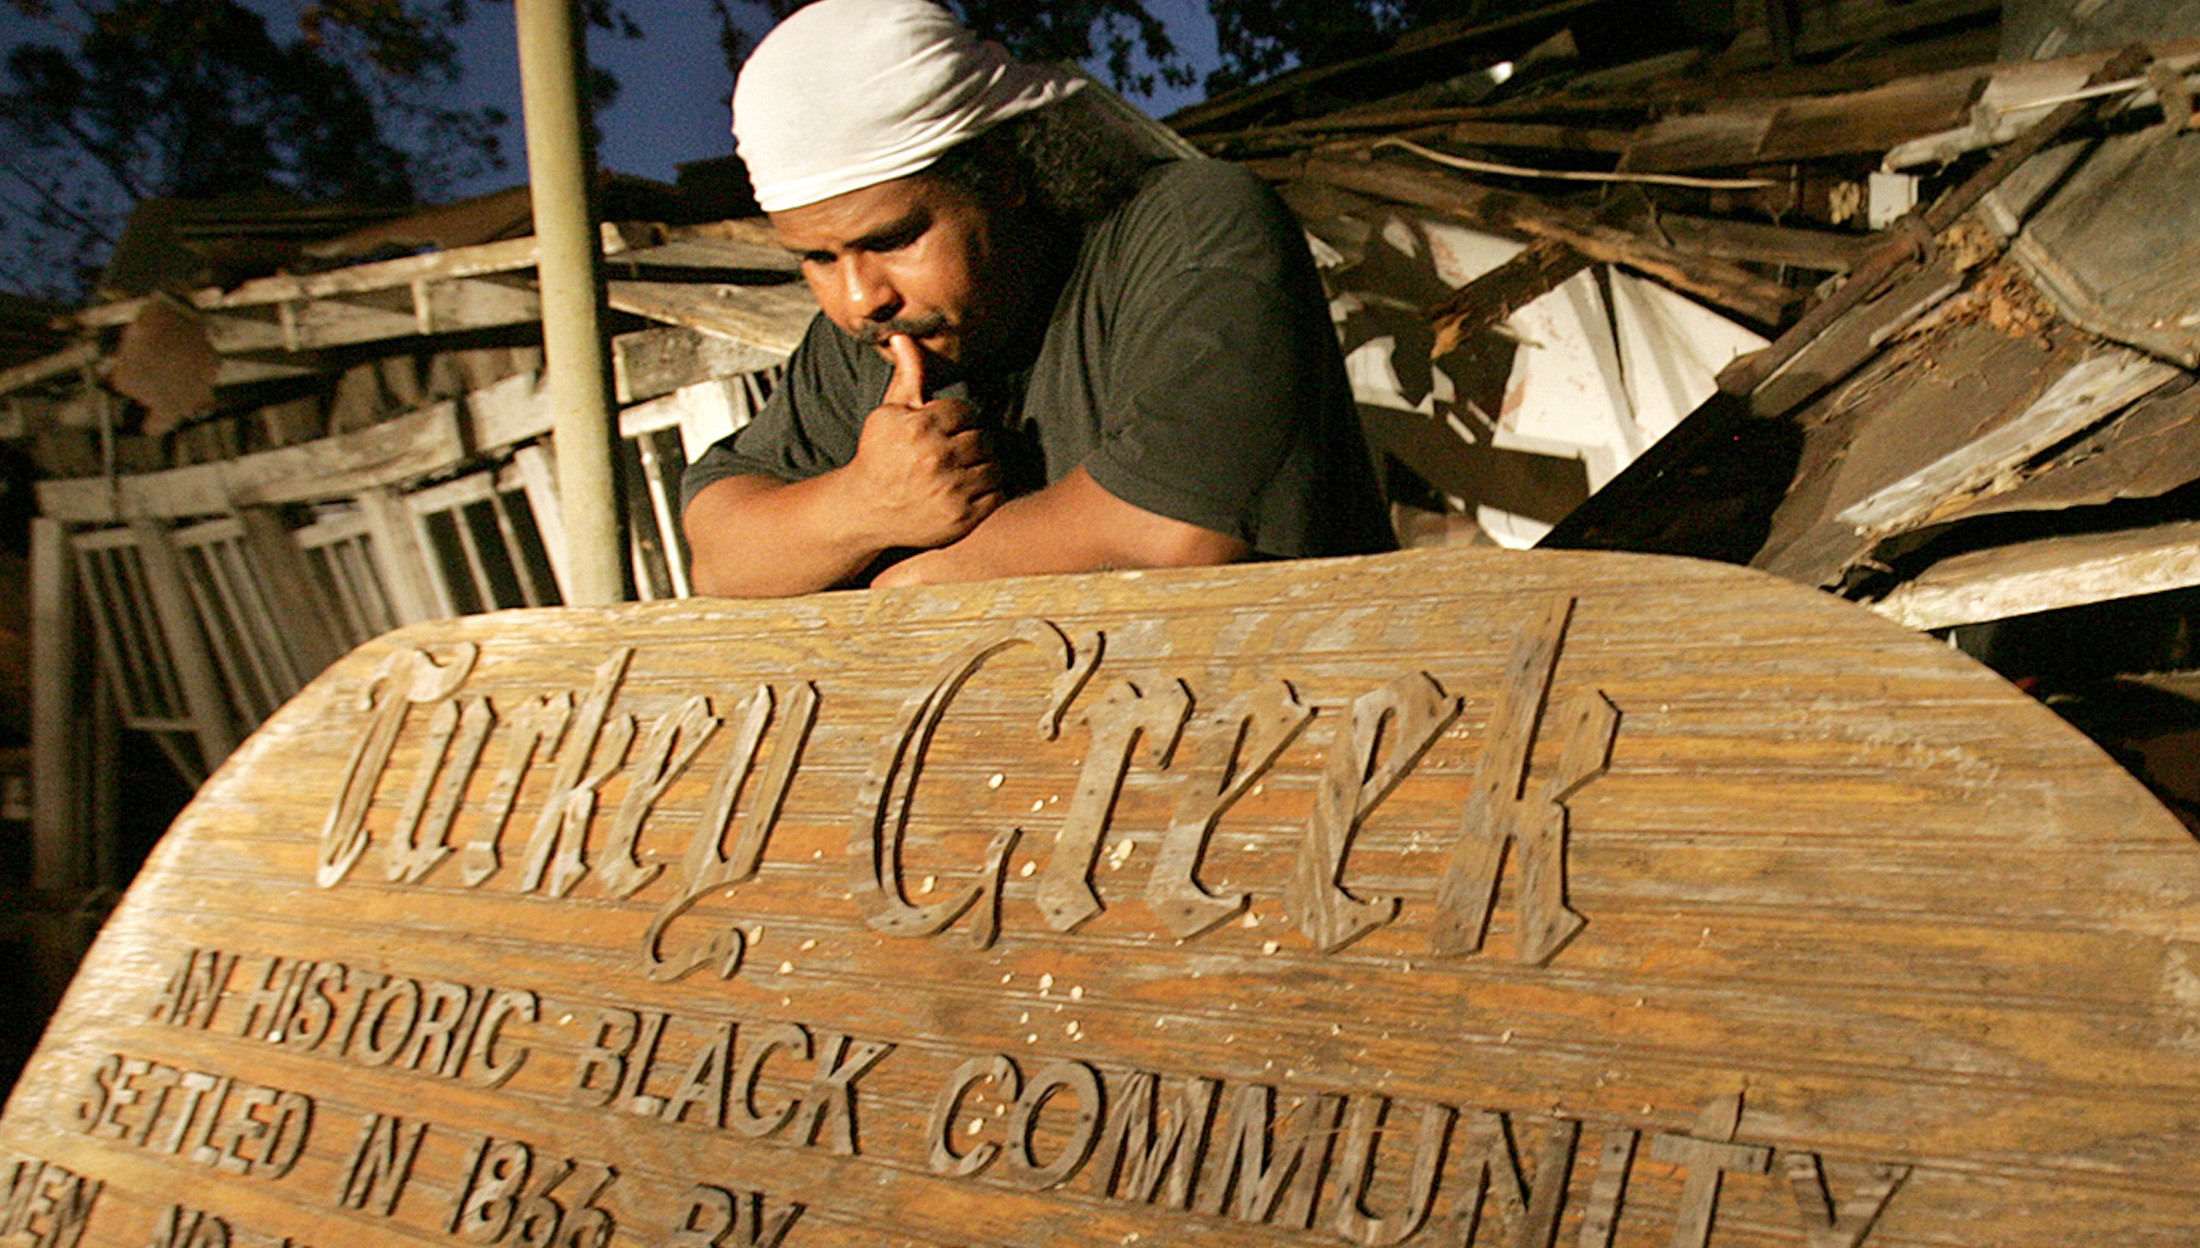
<point x="1071" y="526"/>
<point x="756" y="537"/>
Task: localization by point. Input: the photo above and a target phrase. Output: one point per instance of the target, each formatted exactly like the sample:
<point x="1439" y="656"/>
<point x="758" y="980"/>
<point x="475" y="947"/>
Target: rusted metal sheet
<point x="1427" y="899"/>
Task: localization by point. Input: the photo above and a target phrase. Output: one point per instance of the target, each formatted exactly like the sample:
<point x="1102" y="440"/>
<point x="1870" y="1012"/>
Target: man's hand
<point x="921" y="477"/>
<point x="921" y="468"/>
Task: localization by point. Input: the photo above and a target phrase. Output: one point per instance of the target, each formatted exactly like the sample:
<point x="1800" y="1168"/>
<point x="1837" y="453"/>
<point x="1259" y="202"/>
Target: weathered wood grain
<point x="1146" y="909"/>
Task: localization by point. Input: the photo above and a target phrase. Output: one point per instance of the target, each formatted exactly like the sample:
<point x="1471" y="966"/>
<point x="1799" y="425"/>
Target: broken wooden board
<point x="1886" y="451"/>
<point x="2046" y="575"/>
<point x="1439" y="898"/>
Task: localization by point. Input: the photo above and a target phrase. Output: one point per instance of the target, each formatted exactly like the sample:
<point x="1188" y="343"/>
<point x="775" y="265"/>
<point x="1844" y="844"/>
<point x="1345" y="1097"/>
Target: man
<point x="1037" y="350"/>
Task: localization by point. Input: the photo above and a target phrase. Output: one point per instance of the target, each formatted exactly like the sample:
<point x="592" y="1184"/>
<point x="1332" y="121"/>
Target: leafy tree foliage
<point x="124" y="100"/>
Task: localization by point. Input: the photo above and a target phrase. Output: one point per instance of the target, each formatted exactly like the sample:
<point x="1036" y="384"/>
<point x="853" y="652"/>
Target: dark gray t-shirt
<point x="1189" y="364"/>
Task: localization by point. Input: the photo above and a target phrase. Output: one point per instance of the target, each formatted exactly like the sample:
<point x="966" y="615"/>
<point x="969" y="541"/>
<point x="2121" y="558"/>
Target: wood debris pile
<point x="1850" y="300"/>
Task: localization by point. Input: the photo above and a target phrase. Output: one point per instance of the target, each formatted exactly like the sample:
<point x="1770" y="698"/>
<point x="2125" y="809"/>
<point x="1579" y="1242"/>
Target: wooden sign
<point x="1444" y="899"/>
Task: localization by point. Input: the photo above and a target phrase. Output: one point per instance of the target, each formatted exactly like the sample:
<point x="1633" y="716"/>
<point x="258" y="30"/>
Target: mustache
<point x="875" y="333"/>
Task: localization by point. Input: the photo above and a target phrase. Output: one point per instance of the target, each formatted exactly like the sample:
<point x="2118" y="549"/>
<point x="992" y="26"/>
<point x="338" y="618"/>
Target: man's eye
<point x="900" y="236"/>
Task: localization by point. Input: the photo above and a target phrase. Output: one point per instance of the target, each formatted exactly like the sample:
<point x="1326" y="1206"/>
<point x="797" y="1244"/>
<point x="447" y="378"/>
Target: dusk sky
<point x="673" y="82"/>
<point x="674" y="85"/>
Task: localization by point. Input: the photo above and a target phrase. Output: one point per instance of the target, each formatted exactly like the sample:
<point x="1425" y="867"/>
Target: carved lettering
<point x="381" y="1164"/>
<point x="269" y="1143"/>
<point x="631" y="1096"/>
<point x="1364" y="1128"/>
<point x="110" y="1092"/>
<point x="1826" y="1225"/>
<point x="47" y="1204"/>
<point x="1502" y="815"/>
<point x="829" y="1104"/>
<point x="704" y="1081"/>
<point x="881" y="822"/>
<point x="243" y="1128"/>
<point x="601" y="1071"/>
<point x="947" y="1111"/>
<point x="443" y="1007"/>
<point x="1253" y="732"/>
<point x="193" y="1085"/>
<point x="1266" y="1171"/>
<point x="406" y="678"/>
<point x="539" y="724"/>
<point x="1082" y="1083"/>
<point x="269" y="1007"/>
<point x="544" y="1218"/>
<point x="364" y="985"/>
<point x="1600" y="1216"/>
<point x="742" y="1112"/>
<point x="718" y="1217"/>
<point x="422" y="838"/>
<point x="496" y="1204"/>
<point x="1530" y="1207"/>
<point x="556" y="854"/>
<point x="1407" y="715"/>
<point x="315" y="1017"/>
<point x="195" y="989"/>
<point x="1118" y="720"/>
<point x="488" y="1069"/>
<point x="673" y="742"/>
<point x="438" y="1027"/>
<point x="189" y="1228"/>
<point x="1707" y="1154"/>
<point x="708" y="865"/>
<point x="985" y="926"/>
<point x="386" y="1021"/>
<point x="1140" y="1146"/>
<point x="488" y="1198"/>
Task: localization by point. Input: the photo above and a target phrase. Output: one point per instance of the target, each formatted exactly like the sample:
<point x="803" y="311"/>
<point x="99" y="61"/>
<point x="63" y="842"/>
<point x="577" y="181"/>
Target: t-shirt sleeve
<point x="809" y="426"/>
<point x="1227" y="405"/>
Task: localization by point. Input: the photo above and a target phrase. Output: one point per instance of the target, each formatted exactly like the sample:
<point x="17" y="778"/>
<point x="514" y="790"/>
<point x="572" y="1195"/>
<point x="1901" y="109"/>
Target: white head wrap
<point x="847" y="94"/>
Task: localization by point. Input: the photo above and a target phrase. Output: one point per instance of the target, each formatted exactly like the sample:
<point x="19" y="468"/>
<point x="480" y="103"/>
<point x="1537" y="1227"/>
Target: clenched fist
<point x="923" y="469"/>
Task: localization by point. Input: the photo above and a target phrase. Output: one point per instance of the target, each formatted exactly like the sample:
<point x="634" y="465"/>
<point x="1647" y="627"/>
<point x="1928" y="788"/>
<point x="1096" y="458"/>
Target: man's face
<point x="913" y="256"/>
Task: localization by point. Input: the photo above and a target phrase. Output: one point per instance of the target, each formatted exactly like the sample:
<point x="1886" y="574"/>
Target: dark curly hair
<point x="1072" y="170"/>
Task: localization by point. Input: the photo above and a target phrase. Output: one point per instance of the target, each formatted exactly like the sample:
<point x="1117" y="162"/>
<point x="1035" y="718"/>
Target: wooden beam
<point x="1847" y="343"/>
<point x="770" y="318"/>
<point x="504" y="256"/>
<point x="1806" y="127"/>
<point x="415" y="591"/>
<point x="73" y="358"/>
<point x="2097" y="388"/>
<point x="1717" y="282"/>
<point x="308" y="627"/>
<point x="213" y="725"/>
<point x="651" y="362"/>
<point x="2047" y="575"/>
<point x="398" y="450"/>
<point x="1504" y="290"/>
<point x="63" y="839"/>
<point x="1820" y="250"/>
<point x="1219" y="112"/>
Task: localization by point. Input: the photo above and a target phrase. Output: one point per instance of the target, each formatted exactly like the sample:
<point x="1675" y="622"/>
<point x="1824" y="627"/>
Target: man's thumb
<point x="907" y="387"/>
